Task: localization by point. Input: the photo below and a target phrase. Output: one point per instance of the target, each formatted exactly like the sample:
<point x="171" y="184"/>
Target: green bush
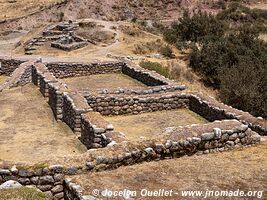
<point x="155" y="66"/>
<point x="167" y="51"/>
<point x="195" y="28"/>
<point x="236" y="65"/>
<point x="229" y="58"/>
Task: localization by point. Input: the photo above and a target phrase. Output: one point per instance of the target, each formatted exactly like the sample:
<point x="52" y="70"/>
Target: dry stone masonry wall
<point x="136" y="104"/>
<point x="48" y="179"/>
<point x="64" y="70"/>
<point x="8" y="65"/>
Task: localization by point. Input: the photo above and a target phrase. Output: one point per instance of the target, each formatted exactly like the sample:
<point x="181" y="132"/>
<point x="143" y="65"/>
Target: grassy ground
<point x="28" y="130"/>
<point x="148" y="125"/>
<point x="243" y="169"/>
<point x="22" y="193"/>
<point x="3" y="79"/>
<point x="101" y="81"/>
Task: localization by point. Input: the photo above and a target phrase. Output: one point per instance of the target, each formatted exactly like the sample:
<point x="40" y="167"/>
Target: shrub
<point x="155" y="66"/>
<point x="194" y="28"/>
<point x="167" y="51"/>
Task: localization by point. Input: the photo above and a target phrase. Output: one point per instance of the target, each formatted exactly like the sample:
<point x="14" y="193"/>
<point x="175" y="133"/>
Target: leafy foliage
<point x="155" y="66"/>
<point x="229" y="58"/>
<point x="167" y="51"/>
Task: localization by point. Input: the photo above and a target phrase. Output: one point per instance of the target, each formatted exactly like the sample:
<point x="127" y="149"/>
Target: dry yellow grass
<point x="148" y="125"/>
<point x="101" y="81"/>
<point x="12" y="9"/>
<point x="263" y="37"/>
<point x="28" y="131"/>
<point x="243" y="169"/>
<point x="3" y="79"/>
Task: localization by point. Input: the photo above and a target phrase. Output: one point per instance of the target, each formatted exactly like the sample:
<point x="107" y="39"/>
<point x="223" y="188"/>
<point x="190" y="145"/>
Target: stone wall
<point x="44" y="79"/>
<point x="147" y="77"/>
<point x="68" y="47"/>
<point x="37" y="70"/>
<point x="48" y="179"/>
<point x="8" y="65"/>
<point x="188" y="140"/>
<point x="95" y="130"/>
<point x="130" y="104"/>
<point x="19" y="77"/>
<point x="74" y="105"/>
<point x="64" y="70"/>
<point x="55" y="100"/>
<point x="148" y="90"/>
<point x="72" y="191"/>
<point x="211" y="109"/>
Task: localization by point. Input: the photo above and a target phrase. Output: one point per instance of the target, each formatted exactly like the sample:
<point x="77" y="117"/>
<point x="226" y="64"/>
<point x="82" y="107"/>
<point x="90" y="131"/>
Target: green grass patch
<point x="155" y="66"/>
<point x="22" y="193"/>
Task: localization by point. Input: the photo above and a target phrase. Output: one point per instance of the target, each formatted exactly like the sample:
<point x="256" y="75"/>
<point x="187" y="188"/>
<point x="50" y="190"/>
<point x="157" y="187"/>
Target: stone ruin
<point x="82" y="111"/>
<point x="61" y="36"/>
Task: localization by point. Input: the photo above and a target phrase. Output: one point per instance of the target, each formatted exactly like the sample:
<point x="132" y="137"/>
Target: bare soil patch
<point x="12" y="9"/>
<point x="28" y="130"/>
<point x="149" y="125"/>
<point x="243" y="169"/>
<point x="3" y="79"/>
<point x="101" y="81"/>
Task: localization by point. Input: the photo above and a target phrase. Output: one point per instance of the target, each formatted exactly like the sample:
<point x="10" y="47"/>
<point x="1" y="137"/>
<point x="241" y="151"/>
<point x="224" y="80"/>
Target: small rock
<point x="57" y="189"/>
<point x="5" y="172"/>
<point x="10" y="184"/>
<point x="24" y="181"/>
<point x="71" y="170"/>
<point x="90" y="165"/>
<point x="14" y="169"/>
<point x="45" y="188"/>
<point x="217" y="133"/>
<point x="149" y="151"/>
<point x="56" y="168"/>
<point x="207" y="136"/>
<point x="233" y="137"/>
<point x="168" y="144"/>
<point x="48" y="194"/>
<point x="26" y="173"/>
<point x="58" y="177"/>
<point x="34" y="180"/>
<point x="44" y="180"/>
<point x="59" y="196"/>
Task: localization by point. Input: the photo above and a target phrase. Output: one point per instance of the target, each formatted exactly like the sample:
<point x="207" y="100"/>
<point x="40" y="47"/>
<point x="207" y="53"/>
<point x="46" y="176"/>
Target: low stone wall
<point x="68" y="47"/>
<point x="37" y="70"/>
<point x="198" y="139"/>
<point x="72" y="191"/>
<point x="55" y="100"/>
<point x="148" y="90"/>
<point x="44" y="79"/>
<point x="74" y="105"/>
<point x="64" y="70"/>
<point x="8" y="65"/>
<point x="48" y="179"/>
<point x="19" y="77"/>
<point x="212" y="110"/>
<point x="95" y="130"/>
<point x="125" y="104"/>
<point x="147" y="77"/>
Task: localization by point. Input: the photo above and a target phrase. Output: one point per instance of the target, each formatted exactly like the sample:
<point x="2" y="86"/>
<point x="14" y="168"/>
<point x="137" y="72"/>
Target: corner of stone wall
<point x="95" y="130"/>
